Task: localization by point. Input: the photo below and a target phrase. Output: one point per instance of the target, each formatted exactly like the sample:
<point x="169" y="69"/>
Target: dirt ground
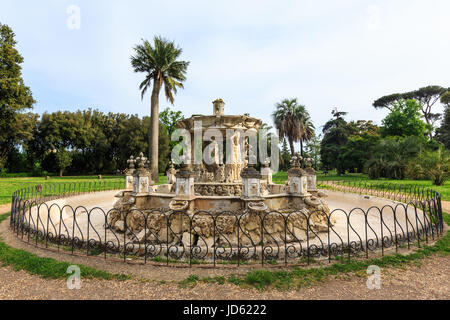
<point x="429" y="280"/>
<point x="445" y="206"/>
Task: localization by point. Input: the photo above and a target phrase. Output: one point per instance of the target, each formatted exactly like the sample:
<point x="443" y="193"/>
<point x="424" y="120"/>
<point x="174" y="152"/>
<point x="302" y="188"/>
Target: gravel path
<point x="428" y="281"/>
<point x="445" y="206"/>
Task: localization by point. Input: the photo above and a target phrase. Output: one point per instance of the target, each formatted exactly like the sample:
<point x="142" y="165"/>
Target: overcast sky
<point x="252" y="54"/>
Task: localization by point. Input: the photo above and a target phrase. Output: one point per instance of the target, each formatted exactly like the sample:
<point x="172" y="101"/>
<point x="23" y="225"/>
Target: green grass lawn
<point x="9" y="185"/>
<point x="281" y="177"/>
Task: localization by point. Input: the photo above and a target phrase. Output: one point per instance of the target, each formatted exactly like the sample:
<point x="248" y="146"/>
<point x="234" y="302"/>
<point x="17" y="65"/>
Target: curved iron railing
<point x="388" y="190"/>
<point x="225" y="237"/>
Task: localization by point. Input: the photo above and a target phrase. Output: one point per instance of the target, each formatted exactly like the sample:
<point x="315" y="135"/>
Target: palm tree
<point x="306" y="130"/>
<point x="161" y="67"/>
<point x="293" y="122"/>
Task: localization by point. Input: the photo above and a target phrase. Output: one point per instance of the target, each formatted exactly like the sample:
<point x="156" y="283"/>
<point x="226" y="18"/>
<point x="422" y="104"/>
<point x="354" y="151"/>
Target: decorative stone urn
<point x="129" y="174"/>
<point x="297" y="183"/>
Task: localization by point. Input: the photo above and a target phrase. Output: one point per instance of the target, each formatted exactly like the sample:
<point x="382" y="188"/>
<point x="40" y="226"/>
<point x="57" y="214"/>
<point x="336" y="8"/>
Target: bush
<point x="37" y="169"/>
<point x="436" y="165"/>
<point x="415" y="171"/>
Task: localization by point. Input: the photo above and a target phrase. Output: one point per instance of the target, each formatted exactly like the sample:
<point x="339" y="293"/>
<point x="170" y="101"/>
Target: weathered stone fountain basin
<point x="84" y="217"/>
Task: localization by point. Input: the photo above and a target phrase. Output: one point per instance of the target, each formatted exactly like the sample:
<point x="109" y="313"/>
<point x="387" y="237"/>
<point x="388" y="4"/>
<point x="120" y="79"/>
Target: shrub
<point x="436" y="165"/>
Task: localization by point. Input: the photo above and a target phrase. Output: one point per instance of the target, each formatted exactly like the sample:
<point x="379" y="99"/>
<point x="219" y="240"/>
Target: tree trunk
<point x="291" y="146"/>
<point x="60" y="172"/>
<point x="301" y="147"/>
<point x="428" y="122"/>
<point x="154" y="129"/>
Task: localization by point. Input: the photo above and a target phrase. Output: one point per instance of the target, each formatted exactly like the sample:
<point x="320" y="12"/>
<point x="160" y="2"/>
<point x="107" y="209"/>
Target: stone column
<point x="310" y="176"/>
<point x="266" y="172"/>
<point x="185" y="182"/>
<point x="142" y="180"/>
<point x="251" y="183"/>
<point x="297" y="181"/>
<point x="129" y="174"/>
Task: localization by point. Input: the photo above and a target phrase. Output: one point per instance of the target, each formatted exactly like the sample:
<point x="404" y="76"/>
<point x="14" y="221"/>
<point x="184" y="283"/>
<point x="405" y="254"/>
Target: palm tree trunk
<point x="154" y="129"/>
<point x="301" y="147"/>
<point x="291" y="146"/>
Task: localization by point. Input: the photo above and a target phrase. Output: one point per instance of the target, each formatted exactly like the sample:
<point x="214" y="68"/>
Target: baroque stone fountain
<point x="218" y="197"/>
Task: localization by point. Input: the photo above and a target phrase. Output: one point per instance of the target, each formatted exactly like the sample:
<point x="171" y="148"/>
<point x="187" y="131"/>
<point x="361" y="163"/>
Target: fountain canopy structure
<point x="229" y="180"/>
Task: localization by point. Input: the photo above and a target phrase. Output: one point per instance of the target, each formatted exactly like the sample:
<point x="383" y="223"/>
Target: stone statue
<point x="236" y="160"/>
<point x="171" y="179"/>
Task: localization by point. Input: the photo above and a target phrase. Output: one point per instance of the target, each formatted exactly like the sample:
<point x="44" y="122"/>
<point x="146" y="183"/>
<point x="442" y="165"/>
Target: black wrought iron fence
<point x="274" y="237"/>
<point x="389" y="190"/>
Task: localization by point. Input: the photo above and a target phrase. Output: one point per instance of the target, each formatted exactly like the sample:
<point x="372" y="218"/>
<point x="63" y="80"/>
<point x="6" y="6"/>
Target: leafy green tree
<point x="436" y="165"/>
<point x="336" y="132"/>
<point x="387" y="101"/>
<point x="346" y="146"/>
<point x="390" y="157"/>
<point x="15" y="97"/>
<point x="161" y="66"/>
<point x="169" y="119"/>
<point x="444" y="130"/>
<point x="312" y="148"/>
<point x="427" y="97"/>
<point x="63" y="160"/>
<point x="357" y="151"/>
<point x="98" y="142"/>
<point x="285" y="156"/>
<point x="293" y="122"/>
<point x="445" y="99"/>
<point x="404" y="120"/>
<point x="363" y="126"/>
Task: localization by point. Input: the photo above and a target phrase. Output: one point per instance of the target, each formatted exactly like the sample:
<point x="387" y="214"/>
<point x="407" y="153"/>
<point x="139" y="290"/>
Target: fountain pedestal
<point x="184" y="191"/>
<point x="297" y="182"/>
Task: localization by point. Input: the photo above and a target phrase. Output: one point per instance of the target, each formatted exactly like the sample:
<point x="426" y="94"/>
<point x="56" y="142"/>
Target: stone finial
<point x="296" y="160"/>
<point x="184" y="185"/>
<point x="218" y="107"/>
<point x="296" y="166"/>
<point x="171" y="167"/>
<point x="309" y="169"/>
<point x="141" y="161"/>
<point x="131" y="163"/>
<point x="142" y="181"/>
<point x="308" y="161"/>
<point x="250" y="172"/>
<point x="185" y="170"/>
